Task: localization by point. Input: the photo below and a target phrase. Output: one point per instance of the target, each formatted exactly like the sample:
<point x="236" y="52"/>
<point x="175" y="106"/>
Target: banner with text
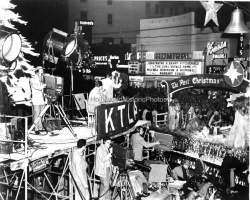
<point x="116" y="118"/>
<point x="204" y="81"/>
<point x="175" y="68"/>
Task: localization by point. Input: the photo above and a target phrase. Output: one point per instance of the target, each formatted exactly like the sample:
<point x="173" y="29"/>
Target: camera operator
<point x="138" y="142"/>
<point x="38" y="99"/>
<point x="102" y="168"/>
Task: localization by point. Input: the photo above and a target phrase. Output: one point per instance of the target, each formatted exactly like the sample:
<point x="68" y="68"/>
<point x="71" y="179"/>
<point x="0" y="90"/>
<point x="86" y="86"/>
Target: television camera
<point x="54" y="86"/>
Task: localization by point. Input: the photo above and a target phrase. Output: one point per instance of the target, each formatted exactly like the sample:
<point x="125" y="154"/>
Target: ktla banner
<point x="116" y="118"/>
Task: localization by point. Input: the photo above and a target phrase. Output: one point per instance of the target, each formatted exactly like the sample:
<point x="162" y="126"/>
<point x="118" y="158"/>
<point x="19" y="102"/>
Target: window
<point x="110" y="2"/>
<point x="108" y="40"/>
<point x="148" y="8"/>
<point x="176" y="11"/>
<point x="162" y="10"/>
<point x="84" y="15"/>
<point x="110" y="19"/>
<point x="171" y="11"/>
<point x="157" y="9"/>
<point x="82" y="1"/>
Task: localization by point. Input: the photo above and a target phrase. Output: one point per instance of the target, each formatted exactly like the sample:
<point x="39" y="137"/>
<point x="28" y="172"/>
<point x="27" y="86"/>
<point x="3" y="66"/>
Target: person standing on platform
<point x="78" y="166"/>
<point x="200" y="165"/>
<point x="109" y="85"/>
<point x="38" y="98"/>
<point x="172" y="115"/>
<point x="215" y="120"/>
<point x="138" y="142"/>
<point x="177" y="115"/>
<point x="96" y="97"/>
<point x="229" y="164"/>
<point x="103" y="168"/>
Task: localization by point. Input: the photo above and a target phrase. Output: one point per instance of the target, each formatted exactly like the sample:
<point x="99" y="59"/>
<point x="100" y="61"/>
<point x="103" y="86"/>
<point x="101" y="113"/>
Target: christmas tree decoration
<point x="211" y="11"/>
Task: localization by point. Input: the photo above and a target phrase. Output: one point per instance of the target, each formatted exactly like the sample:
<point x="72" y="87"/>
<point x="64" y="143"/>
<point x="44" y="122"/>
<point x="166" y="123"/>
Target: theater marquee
<point x="174" y="68"/>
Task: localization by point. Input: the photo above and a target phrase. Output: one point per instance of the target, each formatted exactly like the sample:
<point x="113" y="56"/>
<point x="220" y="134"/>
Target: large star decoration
<point x="211" y="11"/>
<point x="234" y="74"/>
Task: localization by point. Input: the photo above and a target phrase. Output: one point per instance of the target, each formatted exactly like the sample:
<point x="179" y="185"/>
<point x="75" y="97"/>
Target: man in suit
<point x="200" y="165"/>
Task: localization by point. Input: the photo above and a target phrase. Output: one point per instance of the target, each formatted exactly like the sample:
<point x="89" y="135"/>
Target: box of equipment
<point x="120" y="156"/>
<point x="6" y="147"/>
<point x="165" y="140"/>
<point x="51" y="124"/>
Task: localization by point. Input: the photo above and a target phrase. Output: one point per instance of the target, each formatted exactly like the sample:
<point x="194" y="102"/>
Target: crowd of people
<point x="197" y="183"/>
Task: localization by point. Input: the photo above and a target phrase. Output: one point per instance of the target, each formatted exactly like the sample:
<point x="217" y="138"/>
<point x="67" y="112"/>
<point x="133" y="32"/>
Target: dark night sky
<point x="44" y="15"/>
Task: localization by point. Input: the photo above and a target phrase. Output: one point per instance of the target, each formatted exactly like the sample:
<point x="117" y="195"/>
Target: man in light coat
<point x="78" y="166"/>
<point x="102" y="168"/>
<point x="109" y="85"/>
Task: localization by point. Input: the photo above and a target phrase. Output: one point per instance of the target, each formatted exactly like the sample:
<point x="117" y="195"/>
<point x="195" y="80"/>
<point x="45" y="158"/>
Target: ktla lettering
<point x="121" y="108"/>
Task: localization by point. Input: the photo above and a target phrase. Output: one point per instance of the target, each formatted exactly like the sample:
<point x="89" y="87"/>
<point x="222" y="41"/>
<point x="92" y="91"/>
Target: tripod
<point x="61" y="112"/>
<point x="123" y="187"/>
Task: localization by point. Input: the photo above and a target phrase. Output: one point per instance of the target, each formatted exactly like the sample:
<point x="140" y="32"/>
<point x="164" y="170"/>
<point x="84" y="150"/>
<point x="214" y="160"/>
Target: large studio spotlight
<point x="76" y="48"/>
<point x="10" y="45"/>
<point x="53" y="45"/>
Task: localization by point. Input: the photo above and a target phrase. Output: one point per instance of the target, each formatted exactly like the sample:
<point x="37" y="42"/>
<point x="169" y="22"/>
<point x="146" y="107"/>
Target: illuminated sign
<point x="134" y="67"/>
<point x="122" y="66"/>
<point x="170" y="56"/>
<point x="106" y="58"/>
<point x="177" y="68"/>
<point x="86" y="22"/>
<point x="240" y="45"/>
<point x="136" y="79"/>
<point x="86" y="71"/>
<point x="242" y="59"/>
<point x="212" y="49"/>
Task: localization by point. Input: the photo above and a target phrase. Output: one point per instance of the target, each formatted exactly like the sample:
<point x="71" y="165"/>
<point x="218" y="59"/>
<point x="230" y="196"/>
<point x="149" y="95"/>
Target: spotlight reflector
<point x="53" y="45"/>
<point x="75" y="49"/>
<point x="10" y="46"/>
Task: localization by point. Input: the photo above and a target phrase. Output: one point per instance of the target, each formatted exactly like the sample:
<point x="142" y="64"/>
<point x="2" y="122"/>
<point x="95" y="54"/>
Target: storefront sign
<point x="133" y="67"/>
<point x="212" y="49"/>
<point x="115" y="118"/>
<point x="39" y="164"/>
<point x="242" y="59"/>
<point x="136" y="79"/>
<point x="176" y="68"/>
<point x="215" y="69"/>
<point x="171" y="56"/>
<point x="240" y="45"/>
<point x="208" y="80"/>
<point x="86" y="22"/>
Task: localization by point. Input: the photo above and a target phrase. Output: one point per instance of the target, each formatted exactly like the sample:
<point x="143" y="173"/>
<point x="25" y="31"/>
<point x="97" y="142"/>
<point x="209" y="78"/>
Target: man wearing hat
<point x="37" y="95"/>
